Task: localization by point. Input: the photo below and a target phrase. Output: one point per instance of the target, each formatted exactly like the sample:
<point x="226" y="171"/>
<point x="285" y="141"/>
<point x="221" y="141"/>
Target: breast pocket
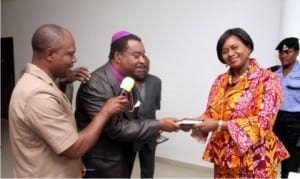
<point x="294" y="86"/>
<point x="294" y="82"/>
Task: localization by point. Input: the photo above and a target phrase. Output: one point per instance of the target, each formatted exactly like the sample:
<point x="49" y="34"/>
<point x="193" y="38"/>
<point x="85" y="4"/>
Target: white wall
<point x="289" y="25"/>
<point x="179" y="36"/>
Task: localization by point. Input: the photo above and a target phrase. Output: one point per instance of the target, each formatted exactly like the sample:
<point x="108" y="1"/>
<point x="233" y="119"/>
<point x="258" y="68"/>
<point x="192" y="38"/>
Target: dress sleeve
<point x="266" y="98"/>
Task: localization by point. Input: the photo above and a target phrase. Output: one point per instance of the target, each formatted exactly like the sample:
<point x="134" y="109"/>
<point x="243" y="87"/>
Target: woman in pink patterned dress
<point x="242" y="106"/>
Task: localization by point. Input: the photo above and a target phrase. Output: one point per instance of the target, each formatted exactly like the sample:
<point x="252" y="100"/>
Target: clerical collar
<point x="117" y="74"/>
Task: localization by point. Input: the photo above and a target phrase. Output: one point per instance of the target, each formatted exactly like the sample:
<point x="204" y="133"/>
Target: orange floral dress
<point x="249" y="149"/>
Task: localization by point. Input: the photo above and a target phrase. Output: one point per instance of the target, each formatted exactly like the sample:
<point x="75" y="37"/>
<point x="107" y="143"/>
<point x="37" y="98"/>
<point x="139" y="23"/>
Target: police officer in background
<point x="287" y="124"/>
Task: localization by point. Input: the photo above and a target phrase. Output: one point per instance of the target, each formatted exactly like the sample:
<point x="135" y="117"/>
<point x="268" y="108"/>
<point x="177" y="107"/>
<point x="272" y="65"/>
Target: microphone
<point x="126" y="85"/>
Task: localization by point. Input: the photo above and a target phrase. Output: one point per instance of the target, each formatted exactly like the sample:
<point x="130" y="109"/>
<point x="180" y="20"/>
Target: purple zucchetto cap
<point x="119" y="35"/>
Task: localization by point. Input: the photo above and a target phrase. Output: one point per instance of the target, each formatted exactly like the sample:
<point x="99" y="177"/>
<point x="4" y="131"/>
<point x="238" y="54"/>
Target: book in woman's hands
<point x="188" y="122"/>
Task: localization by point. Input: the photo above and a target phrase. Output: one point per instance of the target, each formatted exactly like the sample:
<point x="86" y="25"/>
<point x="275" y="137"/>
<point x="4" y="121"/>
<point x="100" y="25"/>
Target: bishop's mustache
<point x="141" y="66"/>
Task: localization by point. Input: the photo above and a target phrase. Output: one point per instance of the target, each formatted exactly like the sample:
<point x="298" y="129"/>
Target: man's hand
<point x="81" y="74"/>
<point x="169" y="124"/>
<point x="115" y="105"/>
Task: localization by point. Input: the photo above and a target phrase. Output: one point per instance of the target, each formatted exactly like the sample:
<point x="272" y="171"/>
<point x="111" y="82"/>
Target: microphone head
<point x="127" y="84"/>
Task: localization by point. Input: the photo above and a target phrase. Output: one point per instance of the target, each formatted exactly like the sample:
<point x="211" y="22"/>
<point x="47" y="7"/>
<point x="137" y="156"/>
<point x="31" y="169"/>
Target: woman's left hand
<point x="207" y="125"/>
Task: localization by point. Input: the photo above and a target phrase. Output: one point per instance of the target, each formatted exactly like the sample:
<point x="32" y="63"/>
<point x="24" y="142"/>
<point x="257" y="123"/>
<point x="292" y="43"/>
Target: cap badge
<point x="285" y="47"/>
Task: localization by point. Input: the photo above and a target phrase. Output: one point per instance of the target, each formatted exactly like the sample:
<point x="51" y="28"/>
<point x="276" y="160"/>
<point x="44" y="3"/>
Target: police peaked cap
<point x="287" y="43"/>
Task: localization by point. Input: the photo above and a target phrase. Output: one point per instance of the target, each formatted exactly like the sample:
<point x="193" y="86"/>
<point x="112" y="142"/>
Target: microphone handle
<point x="123" y="92"/>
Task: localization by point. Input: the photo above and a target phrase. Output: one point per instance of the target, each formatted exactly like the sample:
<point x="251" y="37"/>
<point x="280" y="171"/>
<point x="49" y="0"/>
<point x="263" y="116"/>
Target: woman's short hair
<point x="238" y="32"/>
